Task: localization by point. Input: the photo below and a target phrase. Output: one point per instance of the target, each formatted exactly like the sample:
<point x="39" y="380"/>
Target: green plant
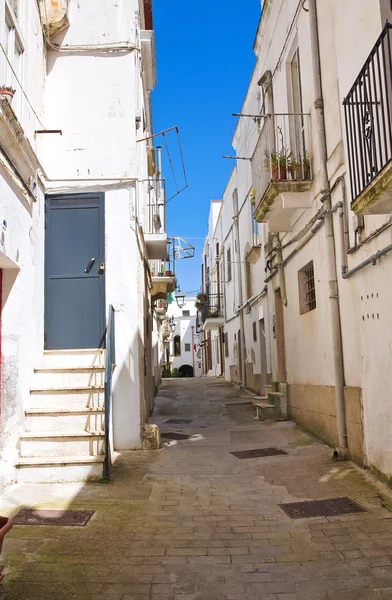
<point x="277" y="161"/>
<point x="175" y="373"/>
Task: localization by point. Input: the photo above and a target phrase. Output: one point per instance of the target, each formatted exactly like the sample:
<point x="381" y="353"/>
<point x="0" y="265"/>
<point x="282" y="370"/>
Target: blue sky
<point x="204" y="62"/>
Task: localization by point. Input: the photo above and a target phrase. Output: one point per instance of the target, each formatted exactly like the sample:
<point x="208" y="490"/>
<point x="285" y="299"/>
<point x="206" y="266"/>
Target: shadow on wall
<point x="127" y="392"/>
<point x="186" y="371"/>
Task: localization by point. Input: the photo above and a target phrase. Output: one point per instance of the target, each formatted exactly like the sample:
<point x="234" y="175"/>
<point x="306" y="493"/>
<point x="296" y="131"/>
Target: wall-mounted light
<point x="180" y="298"/>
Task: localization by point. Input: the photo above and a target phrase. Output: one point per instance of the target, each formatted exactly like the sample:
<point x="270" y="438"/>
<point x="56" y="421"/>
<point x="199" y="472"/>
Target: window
<point x="235" y="202"/>
<point x="177" y="345"/>
<point x="307" y="289"/>
<point x="226" y="343"/>
<point x="229" y="264"/>
<point x="14" y="50"/>
<point x="248" y="279"/>
<point x="187" y="347"/>
<point x="254" y="331"/>
<point x="186" y="313"/>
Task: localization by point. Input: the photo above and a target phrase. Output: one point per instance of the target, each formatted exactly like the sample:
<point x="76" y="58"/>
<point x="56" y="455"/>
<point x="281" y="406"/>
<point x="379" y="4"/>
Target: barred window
<point x="307" y="288"/>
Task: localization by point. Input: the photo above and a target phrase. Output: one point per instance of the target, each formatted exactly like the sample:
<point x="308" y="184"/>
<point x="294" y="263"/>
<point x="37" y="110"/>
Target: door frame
<point x="84" y="196"/>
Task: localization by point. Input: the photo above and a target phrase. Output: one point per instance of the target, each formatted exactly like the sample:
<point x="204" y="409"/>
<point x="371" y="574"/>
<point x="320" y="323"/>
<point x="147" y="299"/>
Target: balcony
<point x="281" y="170"/>
<point x="368" y="116"/>
<point x="154" y="224"/>
<point x="55" y="16"/>
<point x="162" y="278"/>
<point x="160" y="309"/>
<point x="212" y="312"/>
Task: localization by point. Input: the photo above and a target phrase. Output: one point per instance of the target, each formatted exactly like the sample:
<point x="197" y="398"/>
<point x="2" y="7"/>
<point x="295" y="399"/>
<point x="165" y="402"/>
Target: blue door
<point x="74" y="271"/>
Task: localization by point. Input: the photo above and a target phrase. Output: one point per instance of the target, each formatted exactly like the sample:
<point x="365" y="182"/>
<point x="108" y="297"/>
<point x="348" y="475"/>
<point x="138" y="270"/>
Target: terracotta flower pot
<point x="6" y="93"/>
<point x="279" y="172"/>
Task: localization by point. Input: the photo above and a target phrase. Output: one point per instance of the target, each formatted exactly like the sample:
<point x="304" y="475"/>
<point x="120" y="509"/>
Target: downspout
<point x="220" y="329"/>
<point x="329" y="234"/>
<point x="241" y="300"/>
<point x="282" y="279"/>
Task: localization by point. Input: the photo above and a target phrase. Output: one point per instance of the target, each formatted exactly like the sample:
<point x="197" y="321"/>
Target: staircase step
<point x="60" y="434"/>
<point x="78" y="358"/>
<point x="61" y="443"/>
<point x="59" y="399"/>
<point x="63" y="411"/>
<point x="46" y="469"/>
<point x="69" y="390"/>
<point x="74" y="419"/>
<point x="59" y="460"/>
<point x="68" y="377"/>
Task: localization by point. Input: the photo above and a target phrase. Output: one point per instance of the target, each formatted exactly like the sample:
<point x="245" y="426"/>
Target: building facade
<point x="83" y="220"/>
<point x="315" y="130"/>
<point x="183" y="345"/>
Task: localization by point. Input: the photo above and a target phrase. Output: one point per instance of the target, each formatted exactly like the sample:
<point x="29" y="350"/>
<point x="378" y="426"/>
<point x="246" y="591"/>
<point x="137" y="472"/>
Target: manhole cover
<point x="175" y="436"/>
<point x="38" y="516"/>
<point x="179" y="421"/>
<point x="321" y="508"/>
<point x="258" y="453"/>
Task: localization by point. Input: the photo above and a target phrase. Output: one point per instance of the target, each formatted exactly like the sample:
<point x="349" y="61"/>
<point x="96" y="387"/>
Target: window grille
<point x="307" y="288"/>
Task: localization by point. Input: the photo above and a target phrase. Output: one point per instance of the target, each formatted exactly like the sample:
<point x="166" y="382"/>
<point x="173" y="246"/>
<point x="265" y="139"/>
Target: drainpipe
<point x="282" y="279"/>
<point x="329" y="234"/>
<point x="241" y="300"/>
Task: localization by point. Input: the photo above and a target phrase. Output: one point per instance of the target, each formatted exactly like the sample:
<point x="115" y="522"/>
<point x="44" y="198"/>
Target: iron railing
<point x="110" y="364"/>
<point x="164" y="268"/>
<point x="212" y="307"/>
<point x="368" y="109"/>
<point x="282" y="152"/>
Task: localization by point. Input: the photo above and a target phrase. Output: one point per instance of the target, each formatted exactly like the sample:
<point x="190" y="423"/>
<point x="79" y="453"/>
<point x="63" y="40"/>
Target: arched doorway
<point x="186" y="371"/>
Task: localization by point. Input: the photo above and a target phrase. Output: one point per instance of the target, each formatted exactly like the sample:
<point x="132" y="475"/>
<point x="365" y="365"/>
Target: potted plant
<point x="7" y="93"/>
<point x="300" y="169"/>
<point x="277" y="161"/>
<point x="168" y="273"/>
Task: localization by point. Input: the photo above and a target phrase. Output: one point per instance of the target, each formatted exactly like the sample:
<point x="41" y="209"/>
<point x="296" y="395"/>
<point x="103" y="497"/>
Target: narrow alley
<point x="192" y="521"/>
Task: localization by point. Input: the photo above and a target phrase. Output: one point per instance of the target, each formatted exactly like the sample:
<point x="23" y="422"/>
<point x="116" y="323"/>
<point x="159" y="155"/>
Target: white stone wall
<point x="183" y="328"/>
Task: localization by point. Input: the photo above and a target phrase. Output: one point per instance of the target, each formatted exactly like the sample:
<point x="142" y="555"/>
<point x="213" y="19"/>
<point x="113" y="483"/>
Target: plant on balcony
<point x="278" y="161"/>
<point x="6" y="93"/>
<point x="300" y="169"/>
<point x="200" y="301"/>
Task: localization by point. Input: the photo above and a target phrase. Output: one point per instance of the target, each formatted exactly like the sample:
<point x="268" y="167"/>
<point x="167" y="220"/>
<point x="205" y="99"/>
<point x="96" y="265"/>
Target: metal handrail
<point x="110" y="364"/>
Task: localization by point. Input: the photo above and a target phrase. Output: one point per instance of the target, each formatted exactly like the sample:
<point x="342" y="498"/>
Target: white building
<point x="183" y="346"/>
<point x="318" y="140"/>
<point x="82" y="210"/>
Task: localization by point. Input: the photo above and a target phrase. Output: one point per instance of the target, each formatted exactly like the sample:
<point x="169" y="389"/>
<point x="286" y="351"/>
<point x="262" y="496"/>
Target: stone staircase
<point x="64" y="426"/>
<point x="272" y="406"/>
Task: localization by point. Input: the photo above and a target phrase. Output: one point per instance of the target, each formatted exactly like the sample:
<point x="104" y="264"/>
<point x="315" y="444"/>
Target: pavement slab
<point x="192" y="522"/>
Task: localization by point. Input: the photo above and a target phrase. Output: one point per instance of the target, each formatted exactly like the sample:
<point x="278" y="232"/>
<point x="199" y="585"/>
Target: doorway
<point x="74" y="272"/>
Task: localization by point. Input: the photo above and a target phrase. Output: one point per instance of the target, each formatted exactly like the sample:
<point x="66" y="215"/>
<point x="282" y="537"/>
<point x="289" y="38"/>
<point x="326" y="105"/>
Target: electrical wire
<point x="20" y="85"/>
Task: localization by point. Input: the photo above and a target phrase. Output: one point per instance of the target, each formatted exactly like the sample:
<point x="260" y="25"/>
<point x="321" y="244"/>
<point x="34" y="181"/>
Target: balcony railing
<point x="213" y="307"/>
<point x="282" y="152"/>
<point x="155" y="219"/>
<point x="368" y="114"/>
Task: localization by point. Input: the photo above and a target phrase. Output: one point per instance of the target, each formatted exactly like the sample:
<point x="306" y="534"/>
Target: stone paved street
<point x="193" y="522"/>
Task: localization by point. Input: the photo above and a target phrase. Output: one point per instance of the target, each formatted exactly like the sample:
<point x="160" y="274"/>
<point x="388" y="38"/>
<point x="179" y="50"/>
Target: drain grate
<point x="38" y="516"/>
<point x="179" y="421"/>
<point x="175" y="436"/>
<point x="258" y="453"/>
<point x="239" y="403"/>
<point x="321" y="508"/>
